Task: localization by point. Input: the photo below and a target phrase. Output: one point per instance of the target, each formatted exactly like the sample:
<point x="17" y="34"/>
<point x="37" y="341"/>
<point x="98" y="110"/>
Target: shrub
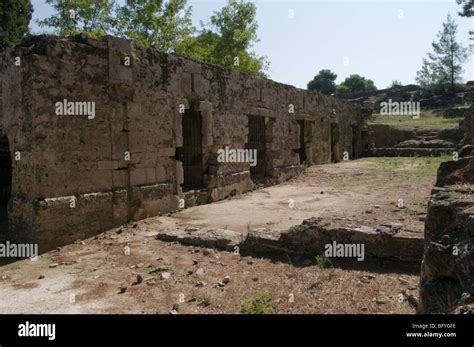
<point x="260" y="304"/>
<point x="323" y="262"/>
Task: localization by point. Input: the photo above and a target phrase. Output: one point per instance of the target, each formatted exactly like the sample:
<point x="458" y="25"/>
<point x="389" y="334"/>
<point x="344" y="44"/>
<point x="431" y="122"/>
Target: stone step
<point x="410" y="152"/>
<point x="426" y="137"/>
<point x="425" y="144"/>
<point x="309" y="238"/>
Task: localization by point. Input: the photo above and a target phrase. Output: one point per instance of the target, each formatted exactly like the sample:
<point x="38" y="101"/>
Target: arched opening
<point x="5" y="182"/>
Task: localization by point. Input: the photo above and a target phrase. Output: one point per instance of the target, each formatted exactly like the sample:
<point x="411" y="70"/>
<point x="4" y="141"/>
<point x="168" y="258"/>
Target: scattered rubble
<point x="382" y="299"/>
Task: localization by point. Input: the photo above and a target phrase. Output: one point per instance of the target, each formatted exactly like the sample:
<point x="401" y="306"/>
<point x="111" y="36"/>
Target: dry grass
<point x="95" y="270"/>
<point x="313" y="290"/>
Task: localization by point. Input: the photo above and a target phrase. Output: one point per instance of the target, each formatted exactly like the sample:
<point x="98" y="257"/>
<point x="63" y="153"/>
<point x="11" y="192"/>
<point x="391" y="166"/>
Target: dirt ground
<point x="126" y="270"/>
<point x="357" y="193"/>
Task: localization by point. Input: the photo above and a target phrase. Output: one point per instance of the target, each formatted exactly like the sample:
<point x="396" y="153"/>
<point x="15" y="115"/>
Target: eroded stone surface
<point x="308" y="238"/>
<point x="447" y="276"/>
<point x="392" y="141"/>
<point x="204" y="237"/>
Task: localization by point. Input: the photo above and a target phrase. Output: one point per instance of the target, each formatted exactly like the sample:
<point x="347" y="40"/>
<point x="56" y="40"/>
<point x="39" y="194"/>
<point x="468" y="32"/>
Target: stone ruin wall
<point x="447" y="271"/>
<point x="467" y="126"/>
<point x="137" y="110"/>
<point x="389" y="135"/>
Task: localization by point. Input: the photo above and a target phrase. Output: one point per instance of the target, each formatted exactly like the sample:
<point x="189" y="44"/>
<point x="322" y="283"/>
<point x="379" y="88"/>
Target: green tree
<point x="356" y="83"/>
<point x="395" y="83"/>
<point x="15" y="15"/>
<point x="444" y="65"/>
<point x="467" y="8"/>
<point x="75" y="16"/>
<point x="426" y="75"/>
<point x="324" y="82"/>
<point x="228" y="38"/>
<point x="200" y="47"/>
<point x="155" y="23"/>
<point x="467" y="11"/>
<point x="342" y="89"/>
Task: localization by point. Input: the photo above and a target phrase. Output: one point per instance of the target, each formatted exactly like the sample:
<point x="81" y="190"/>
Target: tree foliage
<point x="324" y="82"/>
<point x="15" y="15"/>
<point x="467" y="8"/>
<point x="444" y="65"/>
<point x="75" y="16"/>
<point x="395" y="83"/>
<point x="228" y="39"/>
<point x="155" y="24"/>
<point x="356" y="83"/>
<point x="467" y="11"/>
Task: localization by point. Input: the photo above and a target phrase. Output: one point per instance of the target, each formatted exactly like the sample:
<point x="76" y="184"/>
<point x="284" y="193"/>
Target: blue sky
<point x="381" y="40"/>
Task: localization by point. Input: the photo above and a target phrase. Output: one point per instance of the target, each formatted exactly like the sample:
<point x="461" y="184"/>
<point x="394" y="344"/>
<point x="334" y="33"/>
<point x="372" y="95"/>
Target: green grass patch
<point x="394" y="171"/>
<point x="206" y="300"/>
<point x="420" y="163"/>
<point x="433" y="117"/>
<point x="323" y="262"/>
<point x="411" y="168"/>
<point x="428" y="121"/>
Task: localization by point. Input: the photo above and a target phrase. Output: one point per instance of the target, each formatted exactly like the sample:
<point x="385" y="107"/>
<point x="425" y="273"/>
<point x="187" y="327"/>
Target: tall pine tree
<point x="467" y="11"/>
<point x="444" y="65"/>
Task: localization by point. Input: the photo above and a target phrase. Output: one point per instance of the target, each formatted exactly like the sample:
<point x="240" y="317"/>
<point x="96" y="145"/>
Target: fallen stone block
<point x="204" y="237"/>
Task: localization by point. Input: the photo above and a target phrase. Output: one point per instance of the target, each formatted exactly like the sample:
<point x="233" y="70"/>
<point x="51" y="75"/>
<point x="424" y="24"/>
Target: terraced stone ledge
<point x="308" y="238"/>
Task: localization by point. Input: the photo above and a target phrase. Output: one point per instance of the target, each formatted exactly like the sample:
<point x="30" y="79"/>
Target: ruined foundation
<point x="408" y="141"/>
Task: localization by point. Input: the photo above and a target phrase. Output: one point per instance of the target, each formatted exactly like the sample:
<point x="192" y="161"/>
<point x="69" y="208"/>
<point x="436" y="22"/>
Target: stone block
<point x="138" y="176"/>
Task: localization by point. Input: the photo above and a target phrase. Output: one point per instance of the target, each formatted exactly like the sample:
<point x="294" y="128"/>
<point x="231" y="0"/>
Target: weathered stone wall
<point x="467" y="127"/>
<point x="390" y="136"/>
<point x="414" y="93"/>
<point x="74" y="178"/>
<point x="388" y="140"/>
<point x="447" y="275"/>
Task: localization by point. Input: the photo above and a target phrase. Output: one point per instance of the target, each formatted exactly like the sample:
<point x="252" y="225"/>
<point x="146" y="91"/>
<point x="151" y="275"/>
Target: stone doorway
<point x="257" y="140"/>
<point x="355" y="141"/>
<point x="334" y="142"/>
<point x="5" y="182"/>
<point x="191" y="152"/>
<point x="302" y="150"/>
